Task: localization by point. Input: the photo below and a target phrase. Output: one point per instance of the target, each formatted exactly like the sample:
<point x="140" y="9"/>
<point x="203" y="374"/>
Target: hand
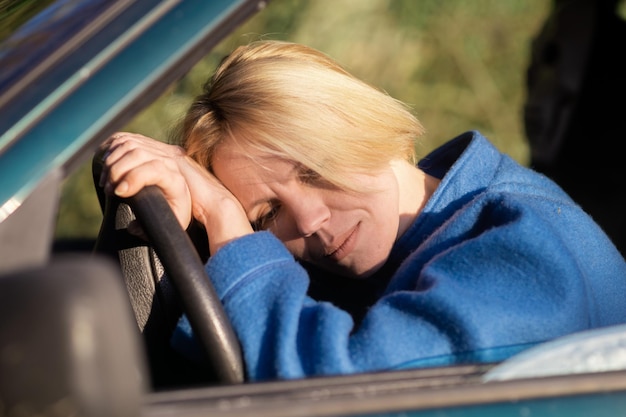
<point x="133" y="161"/>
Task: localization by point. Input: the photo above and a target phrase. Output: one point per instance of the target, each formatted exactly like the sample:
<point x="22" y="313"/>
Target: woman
<point x="302" y="174"/>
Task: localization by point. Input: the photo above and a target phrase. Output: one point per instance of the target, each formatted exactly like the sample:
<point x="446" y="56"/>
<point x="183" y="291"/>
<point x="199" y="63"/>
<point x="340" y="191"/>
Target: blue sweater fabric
<point x="499" y="259"/>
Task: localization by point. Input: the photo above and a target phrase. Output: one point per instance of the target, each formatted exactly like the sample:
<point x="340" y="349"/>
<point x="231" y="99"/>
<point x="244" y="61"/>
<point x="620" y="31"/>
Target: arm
<point x="474" y="285"/>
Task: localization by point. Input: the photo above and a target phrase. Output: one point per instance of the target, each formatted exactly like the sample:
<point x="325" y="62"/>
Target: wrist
<point x="224" y="221"/>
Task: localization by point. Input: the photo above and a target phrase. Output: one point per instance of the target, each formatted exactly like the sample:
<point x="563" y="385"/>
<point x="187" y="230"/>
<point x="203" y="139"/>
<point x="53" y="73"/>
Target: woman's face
<point x="343" y="232"/>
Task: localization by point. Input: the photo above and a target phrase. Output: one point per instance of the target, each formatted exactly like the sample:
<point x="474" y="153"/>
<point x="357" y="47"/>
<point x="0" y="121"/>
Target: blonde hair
<point x="296" y="103"/>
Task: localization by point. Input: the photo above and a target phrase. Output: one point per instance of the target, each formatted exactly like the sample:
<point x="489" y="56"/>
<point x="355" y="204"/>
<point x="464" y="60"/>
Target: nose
<point x="310" y="214"/>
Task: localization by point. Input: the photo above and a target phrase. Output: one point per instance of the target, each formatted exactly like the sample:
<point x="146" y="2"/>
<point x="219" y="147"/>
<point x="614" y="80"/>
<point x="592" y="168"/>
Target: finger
<point x="127" y="151"/>
<point x="151" y="172"/>
<point x="108" y="141"/>
<point x="127" y="155"/>
<point x="106" y="149"/>
<point x="164" y="176"/>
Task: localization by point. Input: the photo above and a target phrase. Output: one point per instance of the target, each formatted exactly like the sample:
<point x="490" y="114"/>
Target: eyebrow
<point x="295" y="167"/>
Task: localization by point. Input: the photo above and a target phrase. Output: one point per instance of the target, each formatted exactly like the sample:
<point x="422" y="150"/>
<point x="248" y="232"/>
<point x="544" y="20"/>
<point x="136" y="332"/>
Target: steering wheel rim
<point x="186" y="271"/>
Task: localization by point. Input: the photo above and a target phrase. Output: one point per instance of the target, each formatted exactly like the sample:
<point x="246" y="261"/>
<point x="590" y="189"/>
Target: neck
<point x="415" y="188"/>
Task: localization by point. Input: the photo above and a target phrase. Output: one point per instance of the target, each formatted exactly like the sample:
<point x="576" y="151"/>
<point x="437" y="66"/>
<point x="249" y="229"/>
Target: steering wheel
<point x="184" y="268"/>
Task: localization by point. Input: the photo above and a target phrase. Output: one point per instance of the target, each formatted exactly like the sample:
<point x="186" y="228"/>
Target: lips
<point x="345" y="247"/>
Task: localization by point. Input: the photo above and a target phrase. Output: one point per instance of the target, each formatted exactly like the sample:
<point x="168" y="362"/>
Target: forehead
<point x="247" y="164"/>
<point x="250" y="174"/>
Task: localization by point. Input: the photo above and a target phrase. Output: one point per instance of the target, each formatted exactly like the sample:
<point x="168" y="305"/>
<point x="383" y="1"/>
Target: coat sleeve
<point x="498" y="278"/>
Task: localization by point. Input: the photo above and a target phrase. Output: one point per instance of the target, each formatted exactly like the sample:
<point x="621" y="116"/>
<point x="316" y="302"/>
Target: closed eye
<point x="264" y="221"/>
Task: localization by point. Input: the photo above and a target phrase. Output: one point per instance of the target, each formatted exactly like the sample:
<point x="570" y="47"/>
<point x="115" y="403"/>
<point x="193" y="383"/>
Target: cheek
<point x="297" y="248"/>
<point x="285" y="230"/>
<point x="385" y="227"/>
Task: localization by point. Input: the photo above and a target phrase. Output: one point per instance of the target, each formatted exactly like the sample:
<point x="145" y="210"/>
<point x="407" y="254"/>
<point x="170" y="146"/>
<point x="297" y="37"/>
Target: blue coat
<point x="499" y="259"/>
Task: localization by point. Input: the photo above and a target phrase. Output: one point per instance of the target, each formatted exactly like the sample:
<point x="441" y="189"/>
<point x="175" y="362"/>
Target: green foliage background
<point x="14" y="13"/>
<point x="460" y="65"/>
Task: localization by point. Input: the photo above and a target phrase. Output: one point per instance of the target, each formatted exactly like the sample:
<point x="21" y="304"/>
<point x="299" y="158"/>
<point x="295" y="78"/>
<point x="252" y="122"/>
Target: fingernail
<point x="121" y="188"/>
